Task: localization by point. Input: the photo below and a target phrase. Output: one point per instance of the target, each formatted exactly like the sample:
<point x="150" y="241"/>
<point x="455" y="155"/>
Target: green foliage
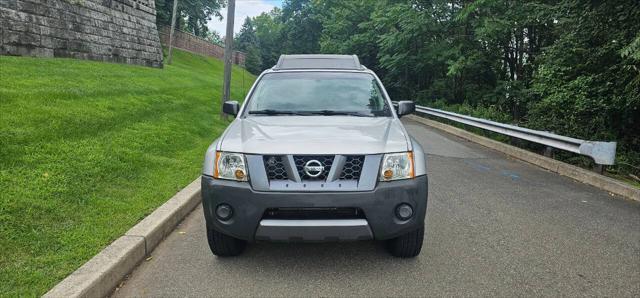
<point x="192" y="15"/>
<point x="349" y="23"/>
<point x="632" y="50"/>
<point x="247" y="41"/>
<point x="294" y="29"/>
<point x="585" y="87"/>
<point x="215" y="38"/>
<point x="268" y="28"/>
<point x="88" y="149"/>
<point x="568" y="66"/>
<point x="301" y="27"/>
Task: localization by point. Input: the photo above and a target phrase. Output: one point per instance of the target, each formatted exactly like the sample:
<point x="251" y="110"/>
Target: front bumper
<point x="378" y="206"/>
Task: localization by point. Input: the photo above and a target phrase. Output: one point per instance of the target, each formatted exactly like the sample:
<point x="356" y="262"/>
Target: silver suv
<point x="317" y="152"/>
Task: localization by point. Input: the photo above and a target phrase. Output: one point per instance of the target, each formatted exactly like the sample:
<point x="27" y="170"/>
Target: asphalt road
<point x="495" y="227"/>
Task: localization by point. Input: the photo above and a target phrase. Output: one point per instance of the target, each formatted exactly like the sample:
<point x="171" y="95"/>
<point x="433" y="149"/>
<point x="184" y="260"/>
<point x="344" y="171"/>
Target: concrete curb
<point x="100" y="275"/>
<point x="577" y="173"/>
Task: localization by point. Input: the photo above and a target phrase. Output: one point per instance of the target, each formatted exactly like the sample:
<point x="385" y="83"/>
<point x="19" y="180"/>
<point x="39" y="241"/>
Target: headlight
<point x="230" y="166"/>
<point x="397" y="166"/>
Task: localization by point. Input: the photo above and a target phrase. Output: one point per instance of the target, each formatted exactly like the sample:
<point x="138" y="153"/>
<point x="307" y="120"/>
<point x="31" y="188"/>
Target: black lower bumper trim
<point x="377" y="205"/>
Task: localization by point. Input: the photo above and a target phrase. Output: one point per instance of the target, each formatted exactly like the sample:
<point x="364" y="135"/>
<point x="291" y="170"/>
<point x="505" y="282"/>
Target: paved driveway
<point x="495" y="227"/>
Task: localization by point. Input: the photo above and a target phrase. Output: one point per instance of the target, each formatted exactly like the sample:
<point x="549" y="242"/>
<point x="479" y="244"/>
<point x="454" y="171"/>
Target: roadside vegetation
<point x="87" y="149"/>
<point x="567" y="66"/>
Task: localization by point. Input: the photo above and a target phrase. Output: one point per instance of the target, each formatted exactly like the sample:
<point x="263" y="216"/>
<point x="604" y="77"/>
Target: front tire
<point x="408" y="245"/>
<point x="224" y="245"/>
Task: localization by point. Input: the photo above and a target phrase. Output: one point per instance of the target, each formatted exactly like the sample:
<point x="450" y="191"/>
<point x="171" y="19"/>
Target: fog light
<point x="404" y="211"/>
<point x="224" y="211"/>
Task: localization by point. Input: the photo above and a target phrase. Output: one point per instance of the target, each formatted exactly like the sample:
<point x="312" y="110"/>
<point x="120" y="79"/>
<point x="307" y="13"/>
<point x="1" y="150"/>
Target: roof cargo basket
<point x="318" y="62"/>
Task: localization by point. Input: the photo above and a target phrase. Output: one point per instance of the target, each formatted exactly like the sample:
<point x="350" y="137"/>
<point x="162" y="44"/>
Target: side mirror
<point x="231" y="108"/>
<point x="405" y="107"/>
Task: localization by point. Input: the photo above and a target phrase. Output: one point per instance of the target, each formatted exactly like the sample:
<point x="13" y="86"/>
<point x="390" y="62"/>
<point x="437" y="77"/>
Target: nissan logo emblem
<point x="313" y="168"/>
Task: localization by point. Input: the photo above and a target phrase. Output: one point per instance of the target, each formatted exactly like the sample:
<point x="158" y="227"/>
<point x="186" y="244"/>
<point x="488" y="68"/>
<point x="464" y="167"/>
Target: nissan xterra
<point x="316" y="152"/>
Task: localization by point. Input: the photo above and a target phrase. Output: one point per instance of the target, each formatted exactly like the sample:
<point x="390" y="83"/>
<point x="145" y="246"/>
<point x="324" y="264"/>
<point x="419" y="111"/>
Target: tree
<point x="268" y="27"/>
<point x="301" y="27"/>
<point x="246" y="41"/>
<point x="588" y="86"/>
<point x="193" y="15"/>
<point x="214" y="37"/>
<point x="348" y="28"/>
<point x="246" y="38"/>
<point x="507" y="37"/>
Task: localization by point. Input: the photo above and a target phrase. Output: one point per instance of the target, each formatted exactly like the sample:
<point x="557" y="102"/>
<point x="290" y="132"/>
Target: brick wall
<point x="121" y="31"/>
<point x="192" y="43"/>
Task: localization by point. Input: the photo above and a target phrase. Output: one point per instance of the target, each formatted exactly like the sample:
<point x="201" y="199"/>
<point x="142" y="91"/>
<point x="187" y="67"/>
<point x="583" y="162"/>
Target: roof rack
<point x="318" y="62"/>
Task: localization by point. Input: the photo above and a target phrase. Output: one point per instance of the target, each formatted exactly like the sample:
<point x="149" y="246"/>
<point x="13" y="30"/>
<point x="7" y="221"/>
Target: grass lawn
<point x="88" y="149"/>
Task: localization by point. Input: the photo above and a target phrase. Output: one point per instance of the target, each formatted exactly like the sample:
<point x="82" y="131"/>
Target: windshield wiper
<point x="271" y="112"/>
<point x="339" y="113"/>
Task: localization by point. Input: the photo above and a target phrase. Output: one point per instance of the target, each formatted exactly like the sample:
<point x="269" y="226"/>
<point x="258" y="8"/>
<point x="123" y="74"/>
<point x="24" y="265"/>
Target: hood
<point x="314" y="135"/>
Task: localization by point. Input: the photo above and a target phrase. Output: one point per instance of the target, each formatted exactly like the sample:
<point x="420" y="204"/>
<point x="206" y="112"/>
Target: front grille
<point x="352" y="167"/>
<point x="313" y="213"/>
<point x="325" y="160"/>
<point x="275" y="167"/>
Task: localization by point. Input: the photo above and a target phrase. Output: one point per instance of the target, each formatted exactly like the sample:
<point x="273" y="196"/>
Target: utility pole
<point x="228" y="53"/>
<point x="173" y="27"/>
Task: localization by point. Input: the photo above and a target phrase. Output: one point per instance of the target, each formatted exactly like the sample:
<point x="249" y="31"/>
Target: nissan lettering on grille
<point x="313" y="168"/>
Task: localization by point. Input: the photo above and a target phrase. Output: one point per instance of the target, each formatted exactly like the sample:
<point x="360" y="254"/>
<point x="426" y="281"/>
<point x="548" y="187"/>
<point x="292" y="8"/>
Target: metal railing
<point x="603" y="153"/>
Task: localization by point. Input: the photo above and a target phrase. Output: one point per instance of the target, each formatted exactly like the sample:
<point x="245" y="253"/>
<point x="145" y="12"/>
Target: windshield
<point x="318" y="93"/>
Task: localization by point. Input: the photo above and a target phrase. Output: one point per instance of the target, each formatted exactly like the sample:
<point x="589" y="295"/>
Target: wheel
<point x="223" y="245"/>
<point x="407" y="245"/>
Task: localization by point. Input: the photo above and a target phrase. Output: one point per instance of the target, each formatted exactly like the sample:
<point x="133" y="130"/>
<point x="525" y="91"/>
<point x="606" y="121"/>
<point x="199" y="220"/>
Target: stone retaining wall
<point x="121" y="31"/>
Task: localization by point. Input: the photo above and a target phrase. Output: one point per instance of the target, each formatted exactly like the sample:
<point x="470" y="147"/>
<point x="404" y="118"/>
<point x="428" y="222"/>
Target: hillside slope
<point x="88" y="149"/>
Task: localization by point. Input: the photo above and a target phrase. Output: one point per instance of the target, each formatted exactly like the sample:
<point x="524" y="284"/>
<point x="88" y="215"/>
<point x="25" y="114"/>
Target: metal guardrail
<point x="603" y="153"/>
